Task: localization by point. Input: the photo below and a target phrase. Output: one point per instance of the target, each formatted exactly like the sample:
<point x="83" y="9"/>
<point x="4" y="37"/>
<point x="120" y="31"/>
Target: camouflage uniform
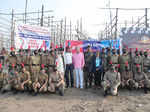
<point x="12" y="60"/>
<point x="141" y="80"/>
<point x="27" y="61"/>
<point x="50" y="63"/>
<point x="20" y="60"/>
<point x="124" y="68"/>
<point x="24" y="78"/>
<point x="56" y="82"/>
<point x="43" y="80"/>
<point x="146" y="64"/>
<point x="43" y="61"/>
<point x="111" y="81"/>
<point x="137" y="63"/>
<point x="114" y="58"/>
<point x="35" y="66"/>
<point x="10" y="81"/>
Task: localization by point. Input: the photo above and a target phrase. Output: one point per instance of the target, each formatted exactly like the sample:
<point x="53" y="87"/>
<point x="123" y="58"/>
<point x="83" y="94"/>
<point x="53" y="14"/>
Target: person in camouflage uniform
<point x="124" y="68"/>
<point x="111" y="81"/>
<point x="20" y="60"/>
<point x="146" y="63"/>
<point x="56" y="82"/>
<point x="10" y="80"/>
<point x="51" y="59"/>
<point x="12" y="60"/>
<point x="43" y="80"/>
<point x="35" y="65"/>
<point x="88" y="76"/>
<point x="43" y="60"/>
<point x="24" y="81"/>
<point x="141" y="80"/>
<point x="40" y="84"/>
<point x="27" y="60"/>
<point x="141" y="53"/>
<point x="137" y="63"/>
<point x="114" y="58"/>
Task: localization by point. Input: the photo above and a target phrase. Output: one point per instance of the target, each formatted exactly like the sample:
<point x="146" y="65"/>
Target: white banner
<point x="33" y="37"/>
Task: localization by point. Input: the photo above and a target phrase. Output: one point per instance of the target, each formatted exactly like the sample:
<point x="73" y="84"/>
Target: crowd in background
<point x="49" y="71"/>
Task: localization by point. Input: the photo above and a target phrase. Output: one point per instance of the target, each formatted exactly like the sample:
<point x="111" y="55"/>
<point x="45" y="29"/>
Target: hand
<point x="22" y="86"/>
<point x="97" y="69"/>
<point x="41" y="89"/>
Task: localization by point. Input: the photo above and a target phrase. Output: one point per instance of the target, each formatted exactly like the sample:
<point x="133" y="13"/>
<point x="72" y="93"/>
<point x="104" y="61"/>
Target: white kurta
<point x="60" y="65"/>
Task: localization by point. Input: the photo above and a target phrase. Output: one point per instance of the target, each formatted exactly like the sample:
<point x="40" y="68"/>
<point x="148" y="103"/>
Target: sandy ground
<point x="76" y="100"/>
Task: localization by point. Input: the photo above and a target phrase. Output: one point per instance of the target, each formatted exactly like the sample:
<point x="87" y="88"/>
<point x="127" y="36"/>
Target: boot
<point x="105" y="93"/>
<point x="145" y="90"/>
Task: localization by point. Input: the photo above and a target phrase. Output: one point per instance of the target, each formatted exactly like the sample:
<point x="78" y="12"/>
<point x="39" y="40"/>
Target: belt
<point x="69" y="64"/>
<point x="35" y="64"/>
<point x="50" y="65"/>
<point x="54" y="81"/>
<point x="26" y="64"/>
<point x="137" y="63"/>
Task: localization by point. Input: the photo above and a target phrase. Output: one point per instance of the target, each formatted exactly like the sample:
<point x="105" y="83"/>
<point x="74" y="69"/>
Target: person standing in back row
<point x="69" y="68"/>
<point x="78" y="62"/>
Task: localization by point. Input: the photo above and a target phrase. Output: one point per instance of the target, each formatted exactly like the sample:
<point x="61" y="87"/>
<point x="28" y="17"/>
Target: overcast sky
<point x="93" y="17"/>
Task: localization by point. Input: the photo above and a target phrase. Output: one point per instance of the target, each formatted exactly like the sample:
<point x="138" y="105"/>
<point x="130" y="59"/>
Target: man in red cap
<point x="137" y="63"/>
<point x="40" y="84"/>
<point x="141" y="80"/>
<point x="25" y="80"/>
<point x="125" y="69"/>
<point x="56" y="82"/>
<point x="51" y="59"/>
<point x="12" y="59"/>
<point x="35" y="65"/>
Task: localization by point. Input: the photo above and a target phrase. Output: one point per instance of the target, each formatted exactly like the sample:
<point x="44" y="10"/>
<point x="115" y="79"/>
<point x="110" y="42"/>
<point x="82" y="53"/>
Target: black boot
<point x="145" y="90"/>
<point x="35" y="94"/>
<point x="15" y="91"/>
<point x="105" y="93"/>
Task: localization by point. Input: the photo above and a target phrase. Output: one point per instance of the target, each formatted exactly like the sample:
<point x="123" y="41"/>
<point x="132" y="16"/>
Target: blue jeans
<point x="69" y="72"/>
<point x="79" y="77"/>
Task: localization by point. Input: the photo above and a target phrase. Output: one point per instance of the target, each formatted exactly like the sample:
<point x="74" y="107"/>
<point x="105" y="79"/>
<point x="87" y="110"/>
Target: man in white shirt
<point x="69" y="68"/>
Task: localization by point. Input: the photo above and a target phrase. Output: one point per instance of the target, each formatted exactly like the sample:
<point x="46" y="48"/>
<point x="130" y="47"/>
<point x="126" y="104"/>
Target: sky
<point x="93" y="17"/>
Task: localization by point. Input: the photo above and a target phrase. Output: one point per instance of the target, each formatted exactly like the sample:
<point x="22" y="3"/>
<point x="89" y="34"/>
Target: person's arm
<point x="72" y="59"/>
<point x="83" y="61"/>
<point x="46" y="81"/>
<point x="28" y="79"/>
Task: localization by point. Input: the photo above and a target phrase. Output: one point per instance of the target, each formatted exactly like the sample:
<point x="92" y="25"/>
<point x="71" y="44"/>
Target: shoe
<point x="15" y="92"/>
<point x="105" y="93"/>
<point x="35" y="94"/>
<point x="145" y="90"/>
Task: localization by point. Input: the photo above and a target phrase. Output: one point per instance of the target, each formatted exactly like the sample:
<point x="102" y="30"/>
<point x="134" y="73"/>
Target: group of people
<point x="110" y="69"/>
<point x="54" y="70"/>
<point x="33" y="72"/>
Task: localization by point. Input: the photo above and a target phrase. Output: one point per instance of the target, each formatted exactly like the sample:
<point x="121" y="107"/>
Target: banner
<point x="95" y="45"/>
<point x="73" y="44"/>
<point x="33" y="37"/>
<point x="136" y="38"/>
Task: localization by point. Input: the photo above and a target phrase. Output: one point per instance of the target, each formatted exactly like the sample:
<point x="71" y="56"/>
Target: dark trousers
<point x="97" y="78"/>
<point x="69" y="73"/>
<point x="88" y="78"/>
